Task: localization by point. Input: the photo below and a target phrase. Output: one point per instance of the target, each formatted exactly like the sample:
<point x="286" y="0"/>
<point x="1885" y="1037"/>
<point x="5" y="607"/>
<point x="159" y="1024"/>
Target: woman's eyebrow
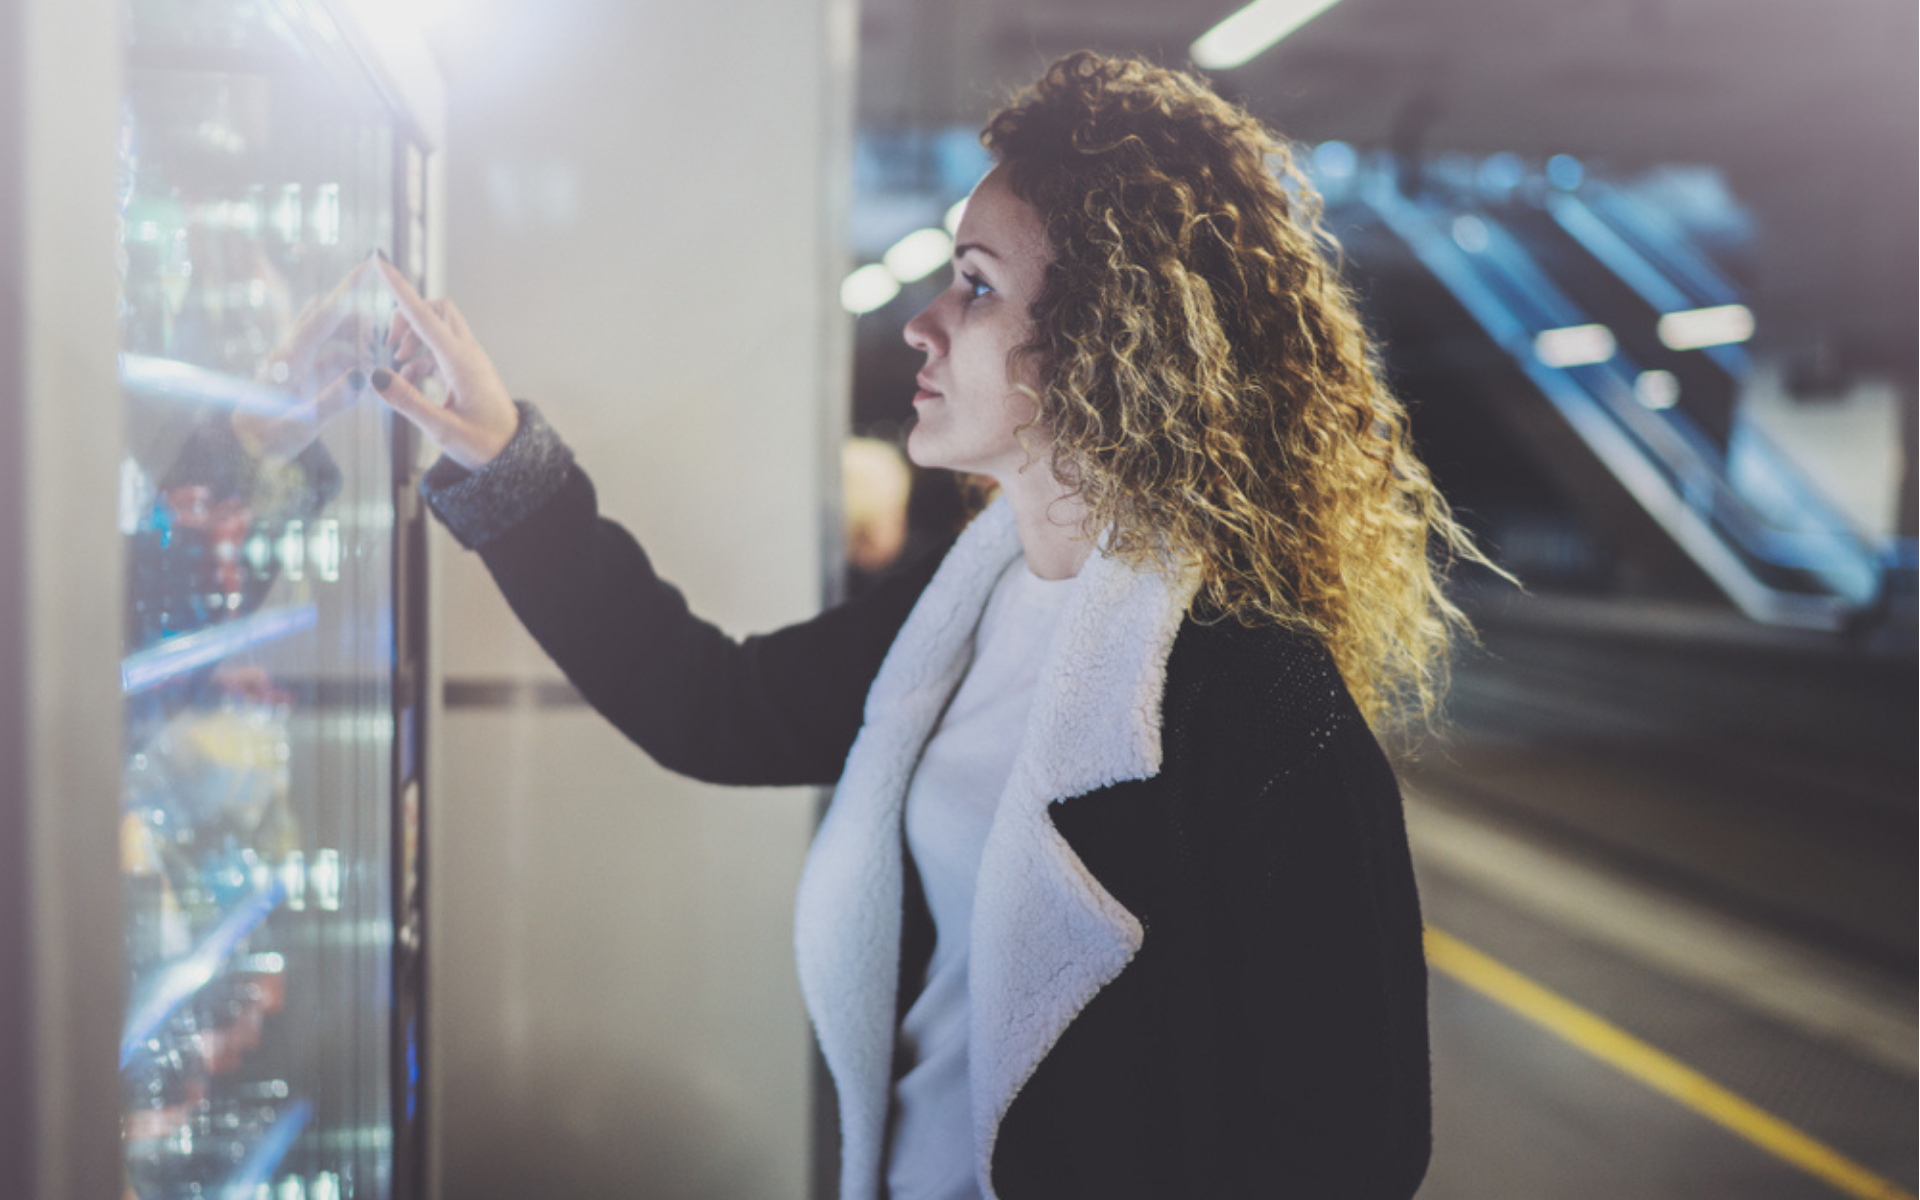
<point x="965" y="247"/>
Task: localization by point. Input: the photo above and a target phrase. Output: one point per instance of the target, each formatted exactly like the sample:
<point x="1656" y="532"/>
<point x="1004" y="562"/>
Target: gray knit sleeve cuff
<point x="479" y="506"/>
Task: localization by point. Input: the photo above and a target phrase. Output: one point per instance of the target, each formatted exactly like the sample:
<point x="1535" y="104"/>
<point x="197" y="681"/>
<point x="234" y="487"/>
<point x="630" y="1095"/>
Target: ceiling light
<point x="1334" y="160"/>
<point x="1565" y="172"/>
<point x="918" y="254"/>
<point x="1574" y="346"/>
<point x="868" y="288"/>
<point x="1251" y="30"/>
<point x="1470" y="233"/>
<point x="1696" y="327"/>
<point x="1498" y="174"/>
<point x="1657" y="389"/>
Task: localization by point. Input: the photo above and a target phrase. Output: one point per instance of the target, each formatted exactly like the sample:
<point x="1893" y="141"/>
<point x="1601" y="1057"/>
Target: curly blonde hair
<point x="1211" y="393"/>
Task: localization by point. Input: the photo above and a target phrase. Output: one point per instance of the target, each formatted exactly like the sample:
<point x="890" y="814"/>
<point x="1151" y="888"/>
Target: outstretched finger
<point x="420" y="315"/>
<point x="282" y="436"/>
<point x="338" y="396"/>
<point x="435" y="421"/>
<point x="320" y="318"/>
<point x="416" y="370"/>
<point x="410" y="346"/>
<point x="467" y="442"/>
<point x="455" y="319"/>
<point x="323" y="316"/>
<point x="342" y="294"/>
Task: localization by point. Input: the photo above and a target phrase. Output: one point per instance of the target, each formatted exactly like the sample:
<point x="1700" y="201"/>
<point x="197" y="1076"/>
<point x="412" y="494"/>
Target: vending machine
<point x="268" y="546"/>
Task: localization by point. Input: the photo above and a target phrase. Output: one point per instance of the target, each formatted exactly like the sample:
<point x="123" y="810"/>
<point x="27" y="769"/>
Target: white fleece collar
<point x="1046" y="935"/>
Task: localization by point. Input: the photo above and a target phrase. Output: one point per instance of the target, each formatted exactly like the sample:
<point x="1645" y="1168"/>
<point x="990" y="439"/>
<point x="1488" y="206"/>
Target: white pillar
<point x="644" y="211"/>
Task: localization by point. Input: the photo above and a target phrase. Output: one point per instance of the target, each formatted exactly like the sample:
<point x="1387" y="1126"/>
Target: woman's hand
<point x="478" y="419"/>
<point x="315" y="367"/>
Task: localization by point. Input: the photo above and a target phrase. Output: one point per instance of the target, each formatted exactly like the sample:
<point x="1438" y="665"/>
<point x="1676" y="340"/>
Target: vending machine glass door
<point x="261" y="165"/>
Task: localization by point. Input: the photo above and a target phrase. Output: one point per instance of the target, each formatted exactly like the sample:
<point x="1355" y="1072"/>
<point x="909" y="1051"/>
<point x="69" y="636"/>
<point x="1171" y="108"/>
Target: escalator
<point x="1700" y="389"/>
<point x="1586" y="295"/>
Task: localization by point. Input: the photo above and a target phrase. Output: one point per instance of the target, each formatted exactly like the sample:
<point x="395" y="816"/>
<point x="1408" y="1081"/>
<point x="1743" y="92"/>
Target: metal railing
<point x="1793" y="561"/>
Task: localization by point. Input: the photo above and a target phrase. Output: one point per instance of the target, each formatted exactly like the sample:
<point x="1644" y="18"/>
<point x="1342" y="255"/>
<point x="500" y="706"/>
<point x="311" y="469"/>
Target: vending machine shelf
<point x="170" y="379"/>
<point x="175" y="656"/>
<point x="156" y="998"/>
<point x="267" y="1154"/>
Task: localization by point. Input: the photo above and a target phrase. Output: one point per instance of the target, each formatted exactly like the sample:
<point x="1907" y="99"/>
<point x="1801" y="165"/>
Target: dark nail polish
<point x="357" y="379"/>
<point x="382" y="380"/>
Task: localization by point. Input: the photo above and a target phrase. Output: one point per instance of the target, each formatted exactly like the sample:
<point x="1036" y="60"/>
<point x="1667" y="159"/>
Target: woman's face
<point x="967" y="404"/>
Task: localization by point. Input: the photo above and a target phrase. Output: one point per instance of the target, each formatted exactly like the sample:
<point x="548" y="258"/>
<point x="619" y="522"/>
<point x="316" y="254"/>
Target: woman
<point x="1113" y="897"/>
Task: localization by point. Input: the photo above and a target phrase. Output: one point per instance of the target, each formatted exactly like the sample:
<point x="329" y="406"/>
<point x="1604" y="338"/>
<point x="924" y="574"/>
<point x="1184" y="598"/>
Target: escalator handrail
<point x="1652" y="457"/>
<point x="1663" y="242"/>
<point x="1652" y="283"/>
<point x="1672" y="437"/>
<point x="1675" y="438"/>
<point x="1615" y="253"/>
<point x="1661" y="277"/>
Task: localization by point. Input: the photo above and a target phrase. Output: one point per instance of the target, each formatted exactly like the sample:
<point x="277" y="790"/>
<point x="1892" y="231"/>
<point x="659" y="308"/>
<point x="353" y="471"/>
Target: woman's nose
<point x="922" y="332"/>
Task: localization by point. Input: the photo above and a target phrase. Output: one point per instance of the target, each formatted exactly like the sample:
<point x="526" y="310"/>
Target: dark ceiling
<point x="1634" y="79"/>
<point x="1809" y="108"/>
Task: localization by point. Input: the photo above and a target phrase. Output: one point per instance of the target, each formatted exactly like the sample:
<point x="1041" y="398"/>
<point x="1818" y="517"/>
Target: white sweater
<point x="950" y="804"/>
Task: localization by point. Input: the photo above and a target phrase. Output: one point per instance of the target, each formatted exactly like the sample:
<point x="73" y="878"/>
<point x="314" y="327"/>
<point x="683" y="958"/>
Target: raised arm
<point x="781" y="708"/>
<point x="778" y="708"/>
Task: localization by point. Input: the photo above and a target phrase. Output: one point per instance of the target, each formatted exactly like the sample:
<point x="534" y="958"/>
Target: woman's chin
<point x="923" y="450"/>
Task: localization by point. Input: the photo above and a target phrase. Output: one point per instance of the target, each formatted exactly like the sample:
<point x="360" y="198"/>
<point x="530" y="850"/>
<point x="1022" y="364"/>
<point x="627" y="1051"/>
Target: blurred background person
<point x="876" y="482"/>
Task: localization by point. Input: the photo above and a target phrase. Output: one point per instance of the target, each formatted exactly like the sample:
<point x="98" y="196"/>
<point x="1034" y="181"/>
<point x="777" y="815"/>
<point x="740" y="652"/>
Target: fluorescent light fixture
<point x="326" y="214"/>
<point x="952" y="220"/>
<point x="1498" y="174"/>
<point x="1574" y="346"/>
<point x="1251" y="30"/>
<point x="868" y="288"/>
<point x="287" y="213"/>
<point x="1334" y="160"/>
<point x="918" y="255"/>
<point x="1657" y="389"/>
<point x="1565" y="172"/>
<point x="1721" y="325"/>
<point x="1470" y="233"/>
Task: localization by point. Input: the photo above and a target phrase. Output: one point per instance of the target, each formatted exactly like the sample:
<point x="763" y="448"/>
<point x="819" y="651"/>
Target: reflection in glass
<point x="256" y="503"/>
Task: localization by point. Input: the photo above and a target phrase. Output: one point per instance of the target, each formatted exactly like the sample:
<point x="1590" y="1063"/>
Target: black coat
<point x="1232" y="919"/>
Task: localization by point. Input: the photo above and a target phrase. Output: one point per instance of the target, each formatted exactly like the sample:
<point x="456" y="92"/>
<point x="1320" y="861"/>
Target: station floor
<point x="1669" y="956"/>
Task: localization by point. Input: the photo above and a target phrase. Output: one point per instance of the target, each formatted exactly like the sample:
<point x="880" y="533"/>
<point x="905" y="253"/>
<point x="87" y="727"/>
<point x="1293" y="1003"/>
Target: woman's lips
<point x="927" y="390"/>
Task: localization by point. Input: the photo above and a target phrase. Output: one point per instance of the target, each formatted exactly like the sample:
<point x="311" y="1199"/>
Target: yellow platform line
<point x="1614" y="1046"/>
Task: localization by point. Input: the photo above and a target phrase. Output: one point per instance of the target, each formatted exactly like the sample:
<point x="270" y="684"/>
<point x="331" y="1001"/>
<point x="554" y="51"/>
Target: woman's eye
<point x="976" y="286"/>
